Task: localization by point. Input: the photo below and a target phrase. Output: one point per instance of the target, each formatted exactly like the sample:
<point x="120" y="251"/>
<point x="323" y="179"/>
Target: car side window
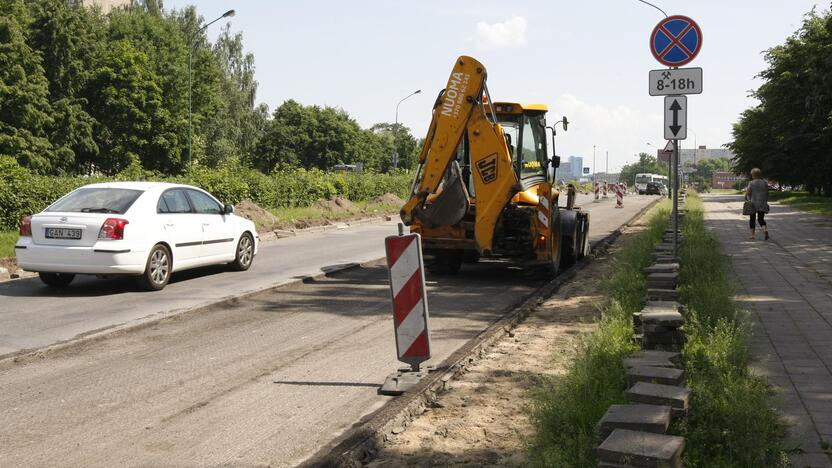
<point x="203" y="203"/>
<point x="173" y="201"/>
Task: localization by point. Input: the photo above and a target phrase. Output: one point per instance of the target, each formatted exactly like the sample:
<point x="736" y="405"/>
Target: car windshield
<point x="96" y="200"/>
<point x="642" y="179"/>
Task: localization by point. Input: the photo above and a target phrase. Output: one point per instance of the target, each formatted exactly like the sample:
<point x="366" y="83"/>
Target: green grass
<point x="7" y="241"/>
<point x="803" y="201"/>
<point x="566" y="410"/>
<point x="316" y="212"/>
<point x="731" y="422"/>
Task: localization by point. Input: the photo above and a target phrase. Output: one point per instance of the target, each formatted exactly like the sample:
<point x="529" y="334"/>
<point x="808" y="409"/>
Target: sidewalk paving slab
<point x="786" y="284"/>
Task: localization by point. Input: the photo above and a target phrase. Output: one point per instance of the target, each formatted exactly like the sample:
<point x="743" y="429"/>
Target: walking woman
<point x="757" y="193"/>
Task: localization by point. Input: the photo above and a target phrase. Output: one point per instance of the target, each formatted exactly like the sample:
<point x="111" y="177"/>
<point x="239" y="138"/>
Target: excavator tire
<point x="444" y="262"/>
<point x="470" y="256"/>
<point x="571" y="238"/>
<point x="556" y="245"/>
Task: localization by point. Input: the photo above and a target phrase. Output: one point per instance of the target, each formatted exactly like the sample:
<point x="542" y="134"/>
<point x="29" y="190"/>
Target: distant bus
<point x="341" y="168"/>
<point x="643" y="178"/>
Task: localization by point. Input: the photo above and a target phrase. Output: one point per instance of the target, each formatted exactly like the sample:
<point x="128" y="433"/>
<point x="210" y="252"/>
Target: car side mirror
<point x="565" y="123"/>
<point x="228" y="209"/>
<point x="555" y="161"/>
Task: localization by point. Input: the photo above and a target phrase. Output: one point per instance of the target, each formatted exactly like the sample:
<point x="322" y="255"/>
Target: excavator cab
<point x="525" y="127"/>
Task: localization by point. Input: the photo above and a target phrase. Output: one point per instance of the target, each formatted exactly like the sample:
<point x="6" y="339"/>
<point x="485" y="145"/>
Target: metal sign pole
<point x="675" y="198"/>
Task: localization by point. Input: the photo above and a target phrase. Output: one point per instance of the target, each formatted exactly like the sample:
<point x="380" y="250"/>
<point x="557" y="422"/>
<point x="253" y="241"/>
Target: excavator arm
<point x="460" y="109"/>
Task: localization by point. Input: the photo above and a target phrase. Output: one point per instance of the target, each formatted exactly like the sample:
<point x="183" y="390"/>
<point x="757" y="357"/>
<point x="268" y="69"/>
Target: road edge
<point x="362" y="442"/>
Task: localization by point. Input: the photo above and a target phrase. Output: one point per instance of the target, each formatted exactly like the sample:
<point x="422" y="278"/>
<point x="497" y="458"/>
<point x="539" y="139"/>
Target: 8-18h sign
<point x="674" y="81"/>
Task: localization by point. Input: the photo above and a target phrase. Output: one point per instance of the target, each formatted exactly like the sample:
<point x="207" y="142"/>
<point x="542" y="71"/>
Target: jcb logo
<point x="488" y="168"/>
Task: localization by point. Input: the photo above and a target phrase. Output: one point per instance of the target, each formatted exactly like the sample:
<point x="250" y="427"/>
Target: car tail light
<point x="113" y="228"/>
<point x="26" y="226"/>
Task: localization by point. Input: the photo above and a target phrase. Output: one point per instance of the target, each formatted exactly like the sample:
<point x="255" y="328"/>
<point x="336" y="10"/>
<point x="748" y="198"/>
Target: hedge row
<point x="23" y="193"/>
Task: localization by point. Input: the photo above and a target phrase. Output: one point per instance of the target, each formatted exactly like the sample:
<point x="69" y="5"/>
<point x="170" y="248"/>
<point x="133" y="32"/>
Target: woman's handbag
<point x="748" y="208"/>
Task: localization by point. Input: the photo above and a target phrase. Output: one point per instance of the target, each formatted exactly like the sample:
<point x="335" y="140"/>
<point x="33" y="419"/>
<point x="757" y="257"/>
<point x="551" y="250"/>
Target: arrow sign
<point x="675" y="117"/>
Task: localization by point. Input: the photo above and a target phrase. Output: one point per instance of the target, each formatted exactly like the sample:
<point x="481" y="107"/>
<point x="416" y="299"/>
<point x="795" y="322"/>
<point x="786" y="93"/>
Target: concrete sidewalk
<point x="786" y="283"/>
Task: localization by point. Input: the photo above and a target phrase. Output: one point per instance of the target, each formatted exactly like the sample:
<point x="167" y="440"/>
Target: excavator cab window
<point x="533" y="147"/>
<point x="511" y="128"/>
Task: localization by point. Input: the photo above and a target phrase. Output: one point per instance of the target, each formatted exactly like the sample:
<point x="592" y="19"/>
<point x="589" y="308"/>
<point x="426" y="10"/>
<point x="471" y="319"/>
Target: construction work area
<point x="266" y="379"/>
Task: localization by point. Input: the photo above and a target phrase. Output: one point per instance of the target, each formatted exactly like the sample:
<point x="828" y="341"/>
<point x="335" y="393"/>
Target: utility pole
<point x="593" y="164"/>
<point x="607" y="168"/>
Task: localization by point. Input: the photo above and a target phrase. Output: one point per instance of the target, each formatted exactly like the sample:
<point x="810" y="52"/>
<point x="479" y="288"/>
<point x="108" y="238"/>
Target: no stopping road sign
<point x="676" y="40"/>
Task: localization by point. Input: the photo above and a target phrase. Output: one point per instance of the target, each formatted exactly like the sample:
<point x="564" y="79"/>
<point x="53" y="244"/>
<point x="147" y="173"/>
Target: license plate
<point x="63" y="233"/>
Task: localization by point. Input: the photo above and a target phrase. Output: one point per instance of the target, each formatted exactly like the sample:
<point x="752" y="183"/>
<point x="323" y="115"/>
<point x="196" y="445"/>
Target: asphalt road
<point x="33" y="315"/>
<point x="265" y="382"/>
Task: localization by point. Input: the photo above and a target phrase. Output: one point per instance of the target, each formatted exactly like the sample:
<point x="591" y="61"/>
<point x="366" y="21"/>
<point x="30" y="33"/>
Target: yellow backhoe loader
<point x="484" y="187"/>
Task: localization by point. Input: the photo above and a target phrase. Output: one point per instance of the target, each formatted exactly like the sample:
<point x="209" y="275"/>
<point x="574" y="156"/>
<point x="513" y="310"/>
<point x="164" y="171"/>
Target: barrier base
<point x="401" y="382"/>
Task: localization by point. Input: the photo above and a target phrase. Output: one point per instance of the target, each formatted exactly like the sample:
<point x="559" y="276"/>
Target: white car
<point x="148" y="229"/>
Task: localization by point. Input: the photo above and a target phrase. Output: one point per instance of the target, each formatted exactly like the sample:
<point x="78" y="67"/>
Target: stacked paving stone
<point x="634" y="435"/>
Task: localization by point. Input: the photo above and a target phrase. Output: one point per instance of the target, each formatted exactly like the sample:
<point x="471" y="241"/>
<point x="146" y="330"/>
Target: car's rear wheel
<point x="56" y="280"/>
<point x="158" y="269"/>
<point x="244" y="253"/>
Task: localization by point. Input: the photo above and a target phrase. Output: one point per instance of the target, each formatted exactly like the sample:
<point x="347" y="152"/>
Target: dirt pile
<point x="338" y="205"/>
<point x="260" y="216"/>
<point x="389" y="199"/>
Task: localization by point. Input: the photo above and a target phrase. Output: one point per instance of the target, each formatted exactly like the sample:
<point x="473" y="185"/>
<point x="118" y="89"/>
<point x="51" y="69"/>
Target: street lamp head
<point x="229" y="14"/>
<point x="418" y="91"/>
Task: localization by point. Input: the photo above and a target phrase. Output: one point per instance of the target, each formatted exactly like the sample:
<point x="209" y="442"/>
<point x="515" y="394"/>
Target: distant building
<point x="702" y="152"/>
<point x="612" y="177"/>
<point x="106" y="5"/>
<point x="576" y="163"/>
<point x="724" y="180"/>
<point x="571" y="169"/>
<point x="564" y="172"/>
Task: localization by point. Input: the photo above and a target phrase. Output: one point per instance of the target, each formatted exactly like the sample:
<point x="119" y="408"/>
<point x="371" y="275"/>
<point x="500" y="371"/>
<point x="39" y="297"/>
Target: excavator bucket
<point x="449" y="206"/>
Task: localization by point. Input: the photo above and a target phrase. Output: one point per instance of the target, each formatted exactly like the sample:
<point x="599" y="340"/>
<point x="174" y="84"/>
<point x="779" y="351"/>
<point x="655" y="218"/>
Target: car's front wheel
<point x="244" y="254"/>
<point x="157" y="271"/>
<point x="56" y="280"/>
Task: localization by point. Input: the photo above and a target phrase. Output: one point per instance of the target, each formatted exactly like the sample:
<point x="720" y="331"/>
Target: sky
<point x="588" y="60"/>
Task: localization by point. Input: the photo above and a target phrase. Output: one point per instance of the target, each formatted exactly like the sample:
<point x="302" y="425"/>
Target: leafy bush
<point x="23" y="193"/>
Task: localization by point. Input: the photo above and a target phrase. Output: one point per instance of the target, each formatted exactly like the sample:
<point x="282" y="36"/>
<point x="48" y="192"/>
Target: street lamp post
<point x="695" y="146"/>
<point x="395" y="151"/>
<point x="191" y="45"/>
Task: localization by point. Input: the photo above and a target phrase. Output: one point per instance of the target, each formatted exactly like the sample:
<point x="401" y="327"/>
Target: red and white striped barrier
<point x="597" y="190"/>
<point x="605" y="190"/>
<point x="619" y="196"/>
<point x="410" y="303"/>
